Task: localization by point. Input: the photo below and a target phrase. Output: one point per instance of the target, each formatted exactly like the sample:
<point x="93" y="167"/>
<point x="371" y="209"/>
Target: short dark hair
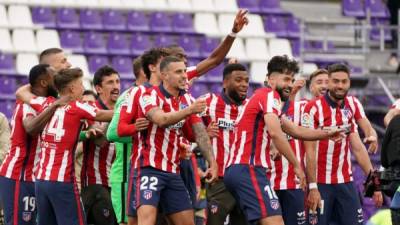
<point x="102" y="72"/>
<point x="229" y="68"/>
<point x="282" y="64"/>
<point x="36" y="72"/>
<point x="338" y="67"/>
<point x="168" y="60"/>
<point x="90" y="92"/>
<point x="317" y="73"/>
<point x="137" y="66"/>
<point x="49" y="51"/>
<point x="151" y="57"/>
<point x="174" y="50"/>
<point x="65" y="77"/>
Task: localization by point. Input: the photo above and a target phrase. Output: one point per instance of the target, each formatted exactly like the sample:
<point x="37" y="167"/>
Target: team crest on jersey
<point x="182" y="105"/>
<point x="146" y="101"/>
<point x="147" y="194"/>
<point x="214" y="208"/>
<point x="346" y="112"/>
<point x="26" y="216"/>
<point x="276" y="104"/>
<point x="274" y="204"/>
<point x="106" y="212"/>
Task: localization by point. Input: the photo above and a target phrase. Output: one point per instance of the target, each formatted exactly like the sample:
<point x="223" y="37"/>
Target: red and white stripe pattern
<point x="58" y="141"/>
<point x="21" y="160"/>
<point x="162" y="144"/>
<point x="333" y="158"/>
<point x="252" y="142"/>
<point x="223" y="112"/>
<point x="282" y="175"/>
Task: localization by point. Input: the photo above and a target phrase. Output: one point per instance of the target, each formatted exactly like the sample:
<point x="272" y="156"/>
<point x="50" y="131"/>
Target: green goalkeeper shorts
<point x="118" y="198"/>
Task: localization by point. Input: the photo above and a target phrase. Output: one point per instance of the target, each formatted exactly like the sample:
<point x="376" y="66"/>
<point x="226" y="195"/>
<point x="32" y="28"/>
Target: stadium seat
<point x="5" y="43"/>
<point x="19" y="16"/>
<point x="353" y="8"/>
<point x="140" y="43"/>
<point x="163" y="40"/>
<point x="280" y="47"/>
<point x="180" y="5"/>
<point x="137" y="21"/>
<point x="25" y="61"/>
<point x="275" y="24"/>
<point x="271" y="7"/>
<point x="95" y="62"/>
<point x="114" y="20"/>
<point x="7" y="107"/>
<point x="182" y="23"/>
<point x="65" y="2"/>
<point x="255" y="28"/>
<point x="189" y="43"/>
<point x="67" y="18"/>
<point x="7" y="64"/>
<point x="226" y="6"/>
<point x="110" y="3"/>
<point x="206" y="23"/>
<point x="94" y="43"/>
<point x="3" y="16"/>
<point x="126" y="83"/>
<point x="251" y="5"/>
<point x="7" y="84"/>
<point x="377" y="8"/>
<point x="81" y="62"/>
<point x="41" y="2"/>
<point x="237" y="50"/>
<point x="207" y="45"/>
<point x="160" y="21"/>
<point x="86" y="3"/>
<point x="155" y="4"/>
<point x="225" y="22"/>
<point x="216" y="88"/>
<point x="43" y="16"/>
<point x="258" y="71"/>
<point x="47" y="38"/>
<point x="133" y="3"/>
<point x="203" y="5"/>
<point x="216" y="73"/>
<point x="375" y="33"/>
<point x="118" y="44"/>
<point x="199" y="89"/>
<point x="91" y="19"/>
<point x="71" y="40"/>
<point x="24" y="40"/>
<point x="123" y="65"/>
<point x="293" y="27"/>
<point x="256" y="49"/>
<point x="308" y="68"/>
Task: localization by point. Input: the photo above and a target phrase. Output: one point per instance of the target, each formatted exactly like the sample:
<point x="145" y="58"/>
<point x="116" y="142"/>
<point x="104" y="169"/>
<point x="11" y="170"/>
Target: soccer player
<point x="17" y="193"/>
<point x="258" y="125"/>
<point x="170" y="112"/>
<point x="328" y="163"/>
<point x="220" y="115"/>
<point x="99" y="154"/>
<point x="55" y="57"/>
<point x="58" y="200"/>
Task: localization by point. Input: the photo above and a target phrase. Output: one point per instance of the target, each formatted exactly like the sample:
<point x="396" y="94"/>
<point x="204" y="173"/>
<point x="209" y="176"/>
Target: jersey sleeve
<point x="358" y="109"/>
<point x="148" y="101"/>
<point x="192" y="73"/>
<point x="38" y="103"/>
<point x="112" y="131"/>
<point x="28" y="111"/>
<point x="396" y="104"/>
<point x="309" y="117"/>
<point x="205" y="116"/>
<point x="187" y="127"/>
<point x="128" y="114"/>
<point x="86" y="110"/>
<point x="271" y="103"/>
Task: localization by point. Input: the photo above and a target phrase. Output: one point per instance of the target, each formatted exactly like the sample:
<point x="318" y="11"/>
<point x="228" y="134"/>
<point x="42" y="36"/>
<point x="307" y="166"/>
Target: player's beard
<point x="233" y="94"/>
<point x="51" y="91"/>
<point x="338" y="96"/>
<point x="281" y="92"/>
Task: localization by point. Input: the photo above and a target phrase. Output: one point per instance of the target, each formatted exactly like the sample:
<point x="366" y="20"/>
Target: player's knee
<point x="147" y="214"/>
<point x="272" y="220"/>
<point x="132" y="220"/>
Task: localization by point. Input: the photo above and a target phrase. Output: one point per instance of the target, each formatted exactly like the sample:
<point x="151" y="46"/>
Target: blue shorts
<point x="293" y="206"/>
<point x="18" y="200"/>
<point x="158" y="188"/>
<point x="131" y="197"/>
<point x="187" y="175"/>
<point x="341" y="201"/>
<point x="59" y="203"/>
<point x="396" y="200"/>
<point x="251" y="188"/>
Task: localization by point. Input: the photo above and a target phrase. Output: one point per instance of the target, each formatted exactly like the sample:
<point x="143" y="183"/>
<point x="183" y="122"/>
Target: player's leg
<point x="45" y="210"/>
<point x="118" y="198"/>
<point x="293" y="206"/>
<point x="348" y="205"/>
<point x="102" y="210"/>
<point x="131" y="198"/>
<point x="220" y="203"/>
<point x="236" y="216"/>
<point x="187" y="175"/>
<point x="27" y="203"/>
<point x="9" y="192"/>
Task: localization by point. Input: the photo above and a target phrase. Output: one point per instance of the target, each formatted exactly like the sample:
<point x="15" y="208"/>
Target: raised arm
<point x="104" y="115"/>
<point x="24" y="93"/>
<point x="306" y="134"/>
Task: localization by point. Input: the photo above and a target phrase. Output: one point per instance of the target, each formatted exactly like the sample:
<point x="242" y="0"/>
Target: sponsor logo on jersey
<point x="226" y="123"/>
<point x="178" y="125"/>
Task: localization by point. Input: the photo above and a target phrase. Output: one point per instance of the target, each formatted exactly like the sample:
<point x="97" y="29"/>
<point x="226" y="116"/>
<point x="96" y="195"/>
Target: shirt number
<point x="56" y="126"/>
<point x="29" y="203"/>
<point x="148" y="183"/>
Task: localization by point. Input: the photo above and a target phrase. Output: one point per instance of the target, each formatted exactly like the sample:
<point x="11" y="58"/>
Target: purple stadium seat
<point x="207" y="45"/>
<point x="118" y="44"/>
<point x="95" y="62"/>
<point x="251" y="5"/>
<point x="113" y="20"/>
<point x="377" y="8"/>
<point x="7" y="107"/>
<point x="164" y="40"/>
<point x="216" y="88"/>
<point x="123" y="65"/>
<point x="126" y="83"/>
<point x="182" y="23"/>
<point x="94" y="43"/>
<point x="276" y="25"/>
<point x="199" y="89"/>
<point x="137" y="21"/>
<point x="319" y="45"/>
<point x="296" y="46"/>
<point x="271" y="7"/>
<point x="293" y="27"/>
<point x="7" y="64"/>
<point x="216" y="73"/>
<point x="7" y="84"/>
<point x="140" y="43"/>
<point x="353" y="8"/>
<point x="67" y="18"/>
<point x="160" y="21"/>
<point x="43" y="16"/>
<point x="189" y="43"/>
<point x="375" y="33"/>
<point x="71" y="40"/>
<point x="91" y="19"/>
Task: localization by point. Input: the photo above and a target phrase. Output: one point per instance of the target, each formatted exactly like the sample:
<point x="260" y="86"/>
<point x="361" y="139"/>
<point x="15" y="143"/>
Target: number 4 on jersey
<point x="56" y="126"/>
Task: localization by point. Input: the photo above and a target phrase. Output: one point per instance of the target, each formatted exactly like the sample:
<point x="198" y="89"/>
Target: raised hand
<point x="240" y="21"/>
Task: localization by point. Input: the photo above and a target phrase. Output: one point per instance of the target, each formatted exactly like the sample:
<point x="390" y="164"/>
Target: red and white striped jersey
<point x="23" y="156"/>
<point x="282" y="175"/>
<point x="252" y="141"/>
<point x="224" y="113"/>
<point x="59" y="139"/>
<point x="396" y="104"/>
<point x="161" y="149"/>
<point x="333" y="158"/>
<point x="97" y="160"/>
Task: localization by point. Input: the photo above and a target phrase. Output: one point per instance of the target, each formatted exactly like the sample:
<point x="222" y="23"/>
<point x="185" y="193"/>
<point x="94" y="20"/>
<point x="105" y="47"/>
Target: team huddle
<point x="271" y="159"/>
